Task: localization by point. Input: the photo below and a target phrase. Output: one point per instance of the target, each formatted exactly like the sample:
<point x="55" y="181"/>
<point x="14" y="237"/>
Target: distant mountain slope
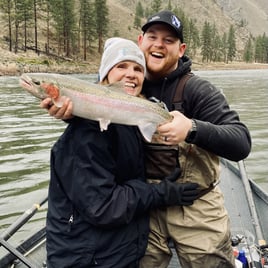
<point x="253" y="12"/>
<point x="250" y="17"/>
<point x="221" y="12"/>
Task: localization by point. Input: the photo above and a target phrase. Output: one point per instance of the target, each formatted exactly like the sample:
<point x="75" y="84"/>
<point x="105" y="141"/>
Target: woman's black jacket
<point x="98" y="199"/>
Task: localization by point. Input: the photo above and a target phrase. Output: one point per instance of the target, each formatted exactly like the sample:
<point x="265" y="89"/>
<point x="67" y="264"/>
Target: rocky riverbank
<point x="15" y="64"/>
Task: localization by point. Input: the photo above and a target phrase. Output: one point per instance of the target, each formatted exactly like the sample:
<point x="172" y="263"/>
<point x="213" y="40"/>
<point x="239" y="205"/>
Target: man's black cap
<point x="166" y="17"/>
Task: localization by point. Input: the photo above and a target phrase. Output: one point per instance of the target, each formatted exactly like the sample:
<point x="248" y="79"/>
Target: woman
<point x="98" y="199"/>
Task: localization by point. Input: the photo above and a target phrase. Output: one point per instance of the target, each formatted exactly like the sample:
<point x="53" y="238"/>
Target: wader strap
<point x="207" y="190"/>
<point x="177" y="99"/>
<point x="177" y="105"/>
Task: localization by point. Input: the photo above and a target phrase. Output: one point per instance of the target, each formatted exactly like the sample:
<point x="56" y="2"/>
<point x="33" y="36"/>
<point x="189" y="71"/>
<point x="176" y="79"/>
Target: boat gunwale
<point x="256" y="188"/>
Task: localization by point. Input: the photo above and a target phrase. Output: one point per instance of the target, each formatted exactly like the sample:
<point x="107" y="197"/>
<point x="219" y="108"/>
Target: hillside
<point x="254" y="14"/>
<point x="220" y="12"/>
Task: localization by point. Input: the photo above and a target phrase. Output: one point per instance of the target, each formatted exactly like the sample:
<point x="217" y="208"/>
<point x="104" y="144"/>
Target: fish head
<point x="39" y="88"/>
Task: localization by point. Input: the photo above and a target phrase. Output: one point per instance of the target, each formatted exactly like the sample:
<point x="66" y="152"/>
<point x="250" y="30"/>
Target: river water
<point x="27" y="134"/>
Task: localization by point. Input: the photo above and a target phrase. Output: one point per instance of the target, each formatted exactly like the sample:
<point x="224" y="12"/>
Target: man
<point x="205" y="130"/>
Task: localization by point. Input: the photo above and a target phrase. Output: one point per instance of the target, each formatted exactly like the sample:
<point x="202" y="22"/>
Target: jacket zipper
<point x="70" y="223"/>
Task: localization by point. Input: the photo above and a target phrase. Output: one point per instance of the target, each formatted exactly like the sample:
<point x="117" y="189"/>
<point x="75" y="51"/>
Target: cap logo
<point x="175" y="21"/>
<point x="154" y="18"/>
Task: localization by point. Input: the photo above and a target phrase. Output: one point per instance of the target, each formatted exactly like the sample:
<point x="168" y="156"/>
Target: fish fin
<point x="147" y="131"/>
<point x="59" y="101"/>
<point x="104" y="123"/>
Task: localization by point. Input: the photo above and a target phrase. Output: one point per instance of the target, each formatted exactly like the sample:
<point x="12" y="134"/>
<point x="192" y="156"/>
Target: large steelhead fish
<point x="105" y="104"/>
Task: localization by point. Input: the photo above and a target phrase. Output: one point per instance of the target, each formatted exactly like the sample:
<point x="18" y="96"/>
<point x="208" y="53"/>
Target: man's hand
<point x="175" y="131"/>
<point x="64" y="112"/>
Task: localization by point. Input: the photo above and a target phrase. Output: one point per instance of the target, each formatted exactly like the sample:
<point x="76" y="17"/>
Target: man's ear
<point x="182" y="49"/>
<point x="140" y="38"/>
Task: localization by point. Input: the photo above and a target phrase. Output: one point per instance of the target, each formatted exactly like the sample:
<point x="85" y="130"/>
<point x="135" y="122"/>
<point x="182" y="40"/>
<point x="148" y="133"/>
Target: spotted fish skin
<point x="106" y="104"/>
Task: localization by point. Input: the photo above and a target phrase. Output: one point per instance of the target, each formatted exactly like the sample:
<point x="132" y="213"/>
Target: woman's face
<point x="130" y="73"/>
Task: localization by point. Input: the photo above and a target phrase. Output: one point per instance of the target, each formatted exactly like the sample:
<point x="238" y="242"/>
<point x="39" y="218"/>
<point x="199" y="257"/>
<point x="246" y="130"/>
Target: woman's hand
<point x="64" y="112"/>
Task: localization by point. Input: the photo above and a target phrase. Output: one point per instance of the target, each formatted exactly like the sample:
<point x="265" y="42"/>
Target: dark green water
<point x="247" y="93"/>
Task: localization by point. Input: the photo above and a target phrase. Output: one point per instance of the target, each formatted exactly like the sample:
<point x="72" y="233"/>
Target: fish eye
<point x="36" y="82"/>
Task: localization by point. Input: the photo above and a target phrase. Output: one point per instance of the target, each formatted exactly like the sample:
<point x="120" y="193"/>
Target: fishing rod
<point x="15" y="227"/>
<point x="16" y="253"/>
<point x="250" y="200"/>
<point x="22" y="219"/>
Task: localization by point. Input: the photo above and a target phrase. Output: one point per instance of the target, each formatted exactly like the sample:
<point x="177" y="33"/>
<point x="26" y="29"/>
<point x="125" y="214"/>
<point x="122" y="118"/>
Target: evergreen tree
<point x="248" y="51"/>
<point x="231" y="44"/>
<point x="156" y="6"/>
<point x="18" y="19"/>
<point x="87" y="25"/>
<point x="169" y="5"/>
<point x="137" y="21"/>
<point x="258" y="49"/>
<point x="102" y="20"/>
<point x="186" y="29"/>
<point x="147" y="12"/>
<point x="139" y="13"/>
<point x="224" y="47"/>
<point x="23" y="17"/>
<point x="46" y="10"/>
<point x="64" y="18"/>
<point x="215" y="54"/>
<point x="261" y="49"/>
<point x="206" y="42"/>
<point x="265" y="48"/>
<point x="34" y="3"/>
<point x="69" y="26"/>
<point x="196" y="39"/>
<point x="190" y="35"/>
<point x="139" y="10"/>
<point x="7" y="9"/>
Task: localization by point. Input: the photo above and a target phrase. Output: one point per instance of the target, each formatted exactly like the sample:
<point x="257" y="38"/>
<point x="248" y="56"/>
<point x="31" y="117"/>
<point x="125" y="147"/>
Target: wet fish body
<point x="105" y="104"/>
